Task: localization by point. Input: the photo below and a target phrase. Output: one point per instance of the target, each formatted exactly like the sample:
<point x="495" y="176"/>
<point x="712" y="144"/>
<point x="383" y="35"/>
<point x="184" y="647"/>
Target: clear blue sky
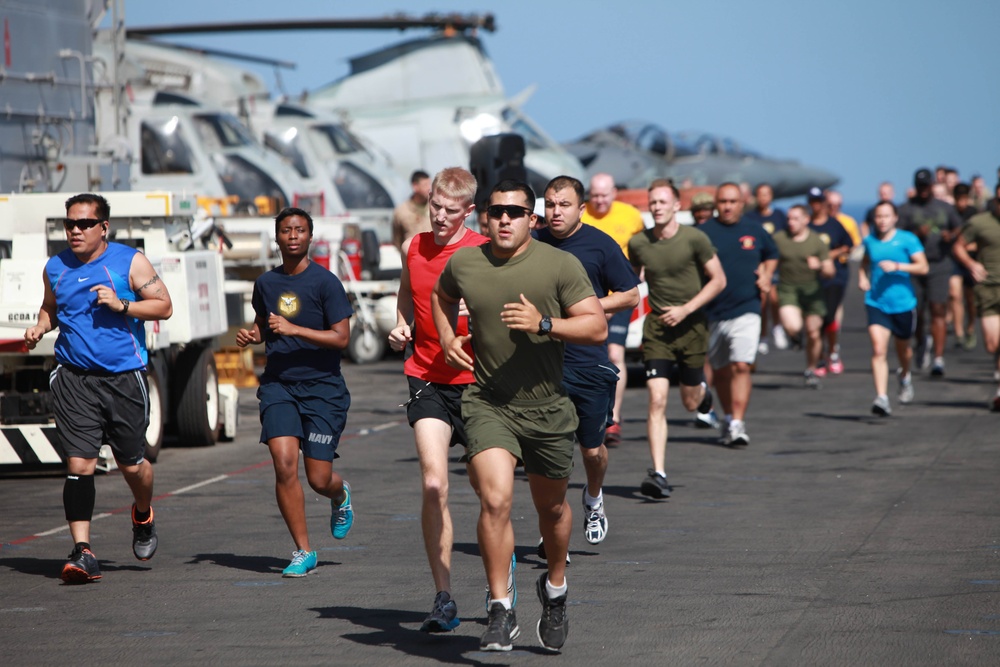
<point x="870" y="89"/>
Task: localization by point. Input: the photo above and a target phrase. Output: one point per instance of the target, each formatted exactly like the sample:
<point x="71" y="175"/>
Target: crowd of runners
<point x="514" y="345"/>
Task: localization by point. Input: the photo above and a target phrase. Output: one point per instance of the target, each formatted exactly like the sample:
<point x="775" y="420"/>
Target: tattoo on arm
<point x="149" y="282"/>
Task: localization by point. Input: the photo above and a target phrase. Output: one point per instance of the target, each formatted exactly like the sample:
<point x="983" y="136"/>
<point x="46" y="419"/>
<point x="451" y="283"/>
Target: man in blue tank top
<point x="97" y="293"/>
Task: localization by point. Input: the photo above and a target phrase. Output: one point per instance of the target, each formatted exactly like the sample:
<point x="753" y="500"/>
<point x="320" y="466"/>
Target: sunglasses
<point x="512" y="210"/>
<point x="84" y="224"/>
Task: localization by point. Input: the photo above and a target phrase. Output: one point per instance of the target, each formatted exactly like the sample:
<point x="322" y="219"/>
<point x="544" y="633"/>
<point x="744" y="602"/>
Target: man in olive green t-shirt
<point x="683" y="273"/>
<point x="803" y="258"/>
<point x="525" y="299"/>
<point x="984" y="230"/>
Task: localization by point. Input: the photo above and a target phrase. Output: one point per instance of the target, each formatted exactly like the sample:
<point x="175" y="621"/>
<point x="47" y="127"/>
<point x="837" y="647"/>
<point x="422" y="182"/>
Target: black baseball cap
<point x="815" y="194"/>
<point x="923" y="178"/>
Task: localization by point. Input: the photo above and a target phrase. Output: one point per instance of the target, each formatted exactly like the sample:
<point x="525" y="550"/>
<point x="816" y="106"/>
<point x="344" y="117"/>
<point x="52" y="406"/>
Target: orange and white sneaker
<point x="81" y="568"/>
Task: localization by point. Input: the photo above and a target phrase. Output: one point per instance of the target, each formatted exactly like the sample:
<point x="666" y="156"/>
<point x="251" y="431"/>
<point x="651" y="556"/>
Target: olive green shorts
<point x="540" y="434"/>
<point x="686" y="343"/>
<point x="987" y="299"/>
<point x="808" y="297"/>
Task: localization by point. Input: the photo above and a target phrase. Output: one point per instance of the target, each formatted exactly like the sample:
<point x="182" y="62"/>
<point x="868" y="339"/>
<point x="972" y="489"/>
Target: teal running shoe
<point x="303" y="562"/>
<point x="343" y="515"/>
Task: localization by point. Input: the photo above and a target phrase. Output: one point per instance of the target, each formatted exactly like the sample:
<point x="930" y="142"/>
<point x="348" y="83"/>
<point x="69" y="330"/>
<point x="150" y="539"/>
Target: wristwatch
<point x="545" y="326"/>
<point x="125" y="305"/>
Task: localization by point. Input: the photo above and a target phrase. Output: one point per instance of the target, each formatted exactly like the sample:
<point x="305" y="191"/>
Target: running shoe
<point x="613" y="435"/>
<point x="144" y="536"/>
<point x="836" y="366"/>
<point x="970" y="342"/>
<point x="762" y="347"/>
<point x="303" y="562"/>
<point x="706" y="419"/>
<point x="595" y="523"/>
<point x="880" y="407"/>
<point x="541" y="550"/>
<point x="738" y="434"/>
<point x="511" y="583"/>
<point x="444" y="615"/>
<point x="905" y="388"/>
<point x="655" y="485"/>
<point x="501" y="629"/>
<point x="779" y="337"/>
<point x="553" y="626"/>
<point x="81" y="567"/>
<point x="706" y="403"/>
<point x="937" y="368"/>
<point x="812" y="379"/>
<point x="342" y="517"/>
<point x="820" y="370"/>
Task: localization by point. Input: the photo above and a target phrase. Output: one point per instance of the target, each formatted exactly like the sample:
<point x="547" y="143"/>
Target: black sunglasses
<point x="83" y="224"/>
<point x="512" y="210"/>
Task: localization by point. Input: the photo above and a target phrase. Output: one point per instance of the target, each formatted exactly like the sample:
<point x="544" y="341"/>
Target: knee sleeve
<point x="78" y="497"/>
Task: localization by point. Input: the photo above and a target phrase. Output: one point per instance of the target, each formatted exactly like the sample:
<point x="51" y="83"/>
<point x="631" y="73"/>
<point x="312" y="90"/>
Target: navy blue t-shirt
<point x="835" y="236"/>
<point x="776" y="221"/>
<point x="314" y="299"/>
<point x="608" y="270"/>
<point x="740" y="249"/>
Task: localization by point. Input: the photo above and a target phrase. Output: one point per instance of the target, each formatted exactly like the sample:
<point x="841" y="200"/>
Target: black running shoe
<point x="144" y="536"/>
<point x="501" y="629"/>
<point x="706" y="403"/>
<point x="444" y="615"/>
<point x="81" y="567"/>
<point x="553" y="626"/>
<point x="655" y="485"/>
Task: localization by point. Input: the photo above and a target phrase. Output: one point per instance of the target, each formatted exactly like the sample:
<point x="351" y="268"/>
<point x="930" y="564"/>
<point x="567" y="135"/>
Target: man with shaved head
<point x="621" y="222"/>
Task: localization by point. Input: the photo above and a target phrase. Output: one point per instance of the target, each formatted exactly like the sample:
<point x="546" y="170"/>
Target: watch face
<point x="546" y="325"/>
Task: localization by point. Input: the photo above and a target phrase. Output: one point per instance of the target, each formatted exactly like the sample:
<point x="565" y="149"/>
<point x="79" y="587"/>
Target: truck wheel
<point x="366" y="346"/>
<point x="154" y="431"/>
<point x="197" y="405"/>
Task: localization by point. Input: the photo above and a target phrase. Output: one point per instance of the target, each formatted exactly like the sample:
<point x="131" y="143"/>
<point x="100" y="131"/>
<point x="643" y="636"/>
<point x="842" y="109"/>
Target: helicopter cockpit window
<point x="286" y="144"/>
<point x="653" y="139"/>
<point x="164" y="150"/>
<point x="520" y="125"/>
<point x="337" y="139"/>
<point x="219" y="130"/>
<point x="359" y="190"/>
<point x="247" y="181"/>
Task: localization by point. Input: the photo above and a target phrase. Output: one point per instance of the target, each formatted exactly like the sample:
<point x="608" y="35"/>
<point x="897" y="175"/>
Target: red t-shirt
<point x="425" y="261"/>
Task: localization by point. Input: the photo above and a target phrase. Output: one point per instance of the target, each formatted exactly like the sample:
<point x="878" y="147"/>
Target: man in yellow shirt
<point x="621" y="222"/>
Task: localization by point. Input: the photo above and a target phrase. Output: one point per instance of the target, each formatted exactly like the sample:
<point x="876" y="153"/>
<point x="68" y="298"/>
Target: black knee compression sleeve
<point x="78" y="497"/>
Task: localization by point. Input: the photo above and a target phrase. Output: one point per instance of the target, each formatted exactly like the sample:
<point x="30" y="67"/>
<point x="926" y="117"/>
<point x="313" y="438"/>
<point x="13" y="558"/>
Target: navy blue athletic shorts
<point x="900" y="325"/>
<point x="592" y="391"/>
<point x="315" y="412"/>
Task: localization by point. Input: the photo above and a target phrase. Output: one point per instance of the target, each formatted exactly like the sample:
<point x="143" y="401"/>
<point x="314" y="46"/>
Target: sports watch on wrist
<point x="545" y="326"/>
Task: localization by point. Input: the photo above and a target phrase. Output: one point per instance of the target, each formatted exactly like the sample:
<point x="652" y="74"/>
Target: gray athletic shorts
<point x="735" y="340"/>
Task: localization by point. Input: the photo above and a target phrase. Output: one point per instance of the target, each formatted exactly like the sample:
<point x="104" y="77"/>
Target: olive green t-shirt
<point x="984" y="230"/>
<point x="793" y="257"/>
<point x="515" y="365"/>
<point x="674" y="267"/>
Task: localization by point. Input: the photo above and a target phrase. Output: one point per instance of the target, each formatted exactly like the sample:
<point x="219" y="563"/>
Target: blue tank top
<point x="93" y="337"/>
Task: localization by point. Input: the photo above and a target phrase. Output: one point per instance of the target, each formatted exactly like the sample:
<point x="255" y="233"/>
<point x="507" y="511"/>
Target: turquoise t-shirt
<point x="891" y="292"/>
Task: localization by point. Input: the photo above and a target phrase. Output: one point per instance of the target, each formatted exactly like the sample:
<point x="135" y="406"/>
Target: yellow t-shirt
<point x="850" y="225"/>
<point x="621" y="223"/>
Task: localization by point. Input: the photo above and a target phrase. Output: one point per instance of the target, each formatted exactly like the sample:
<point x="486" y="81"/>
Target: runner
<point x="525" y="300"/>
<point x="891" y="257"/>
<point x="434" y="408"/>
<point x="302" y="315"/>
<point x="683" y="274"/>
<point x="802" y="259"/>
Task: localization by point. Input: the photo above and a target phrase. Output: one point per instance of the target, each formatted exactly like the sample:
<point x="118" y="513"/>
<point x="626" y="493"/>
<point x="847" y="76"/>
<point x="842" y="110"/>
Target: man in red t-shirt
<point x="435" y="406"/>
